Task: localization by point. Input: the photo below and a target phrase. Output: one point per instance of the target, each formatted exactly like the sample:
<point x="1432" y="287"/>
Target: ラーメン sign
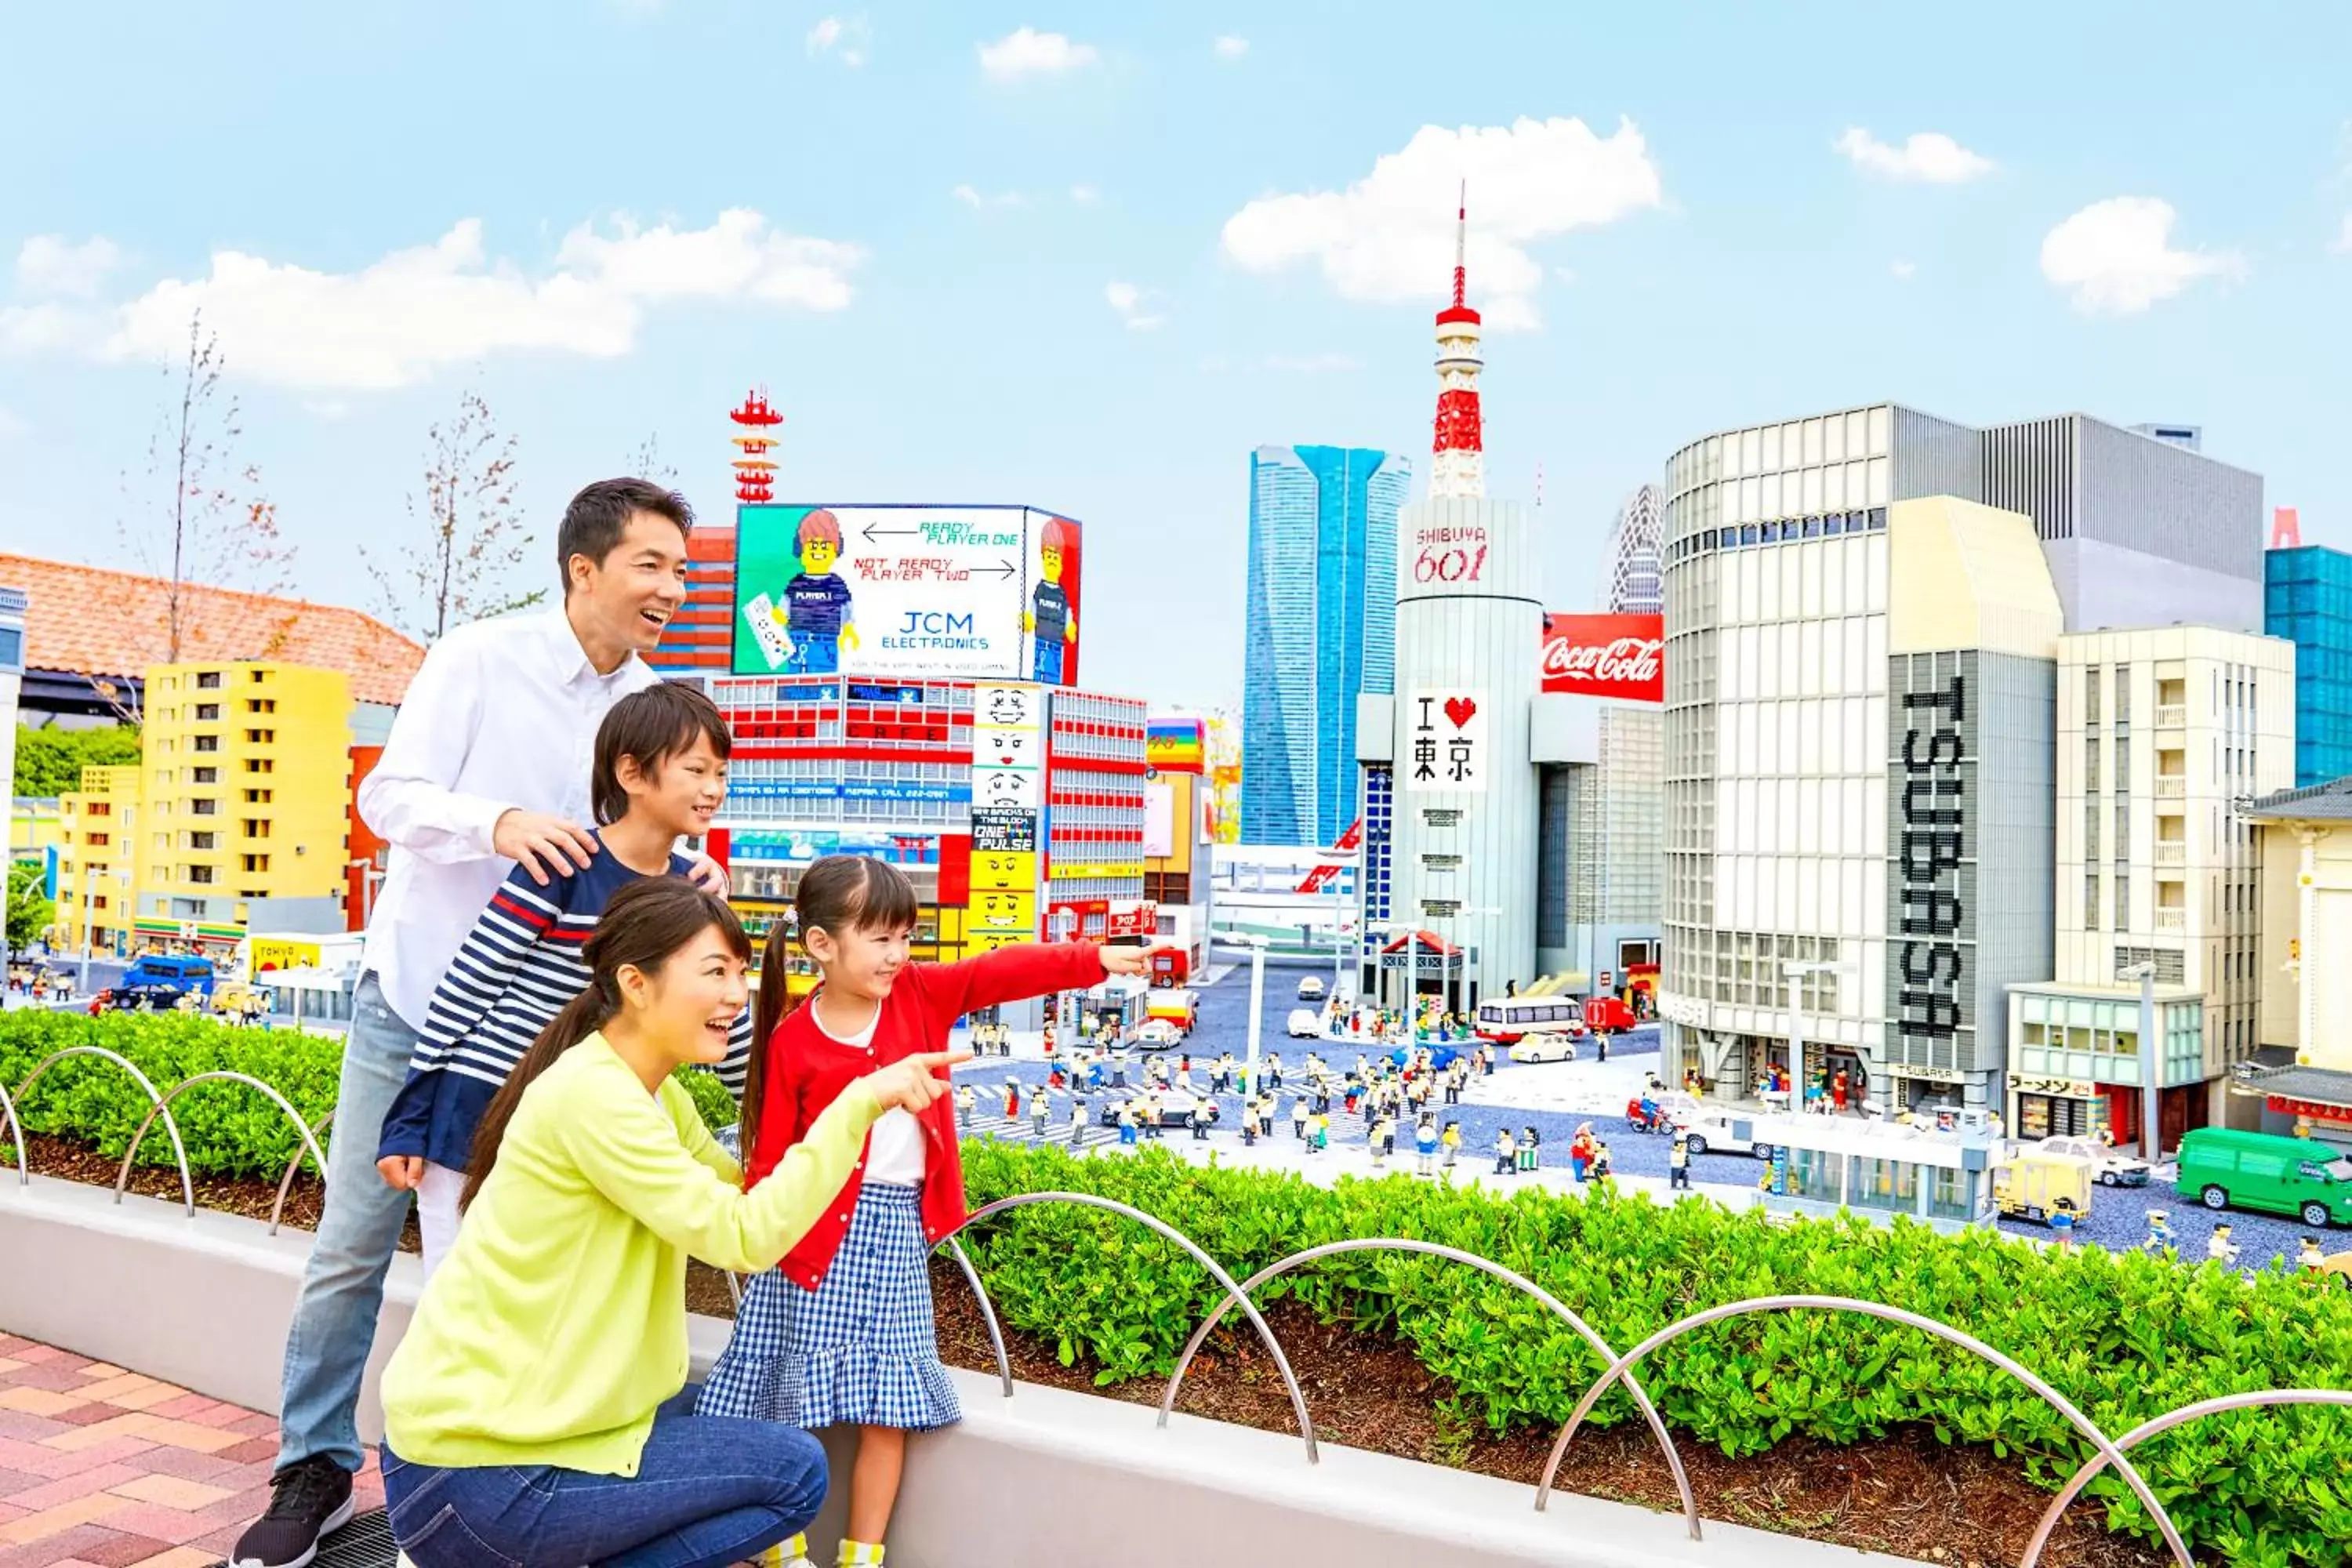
<point x="1606" y="656"/>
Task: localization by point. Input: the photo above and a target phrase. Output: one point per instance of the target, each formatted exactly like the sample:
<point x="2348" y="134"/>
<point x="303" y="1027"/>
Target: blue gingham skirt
<point x="860" y="1350"/>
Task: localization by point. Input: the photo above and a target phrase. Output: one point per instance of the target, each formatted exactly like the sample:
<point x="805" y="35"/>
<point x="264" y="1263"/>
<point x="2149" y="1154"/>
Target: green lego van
<point x="2224" y="1168"/>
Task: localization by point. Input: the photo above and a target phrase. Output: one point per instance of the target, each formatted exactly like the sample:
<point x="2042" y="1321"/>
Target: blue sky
<point x="1041" y="254"/>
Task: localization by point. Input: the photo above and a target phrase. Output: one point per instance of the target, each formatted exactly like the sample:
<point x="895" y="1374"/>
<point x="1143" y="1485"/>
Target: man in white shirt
<point x="487" y="766"/>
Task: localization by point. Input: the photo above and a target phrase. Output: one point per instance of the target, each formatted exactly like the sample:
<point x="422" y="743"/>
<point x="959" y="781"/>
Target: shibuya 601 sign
<point x="1931" y="785"/>
<point x="1446" y="554"/>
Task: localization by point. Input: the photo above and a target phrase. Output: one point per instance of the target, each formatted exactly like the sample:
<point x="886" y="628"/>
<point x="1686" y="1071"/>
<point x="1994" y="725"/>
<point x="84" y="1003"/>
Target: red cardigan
<point x="807" y="1071"/>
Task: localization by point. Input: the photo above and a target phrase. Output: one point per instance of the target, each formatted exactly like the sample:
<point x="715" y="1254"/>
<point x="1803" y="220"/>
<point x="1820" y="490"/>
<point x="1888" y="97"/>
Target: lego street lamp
<point x="2151" y="1081"/>
<point x="1256" y="945"/>
<point x="1795" y="971"/>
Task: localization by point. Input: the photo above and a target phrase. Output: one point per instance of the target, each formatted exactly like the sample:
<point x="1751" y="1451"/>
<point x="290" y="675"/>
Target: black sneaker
<point x="309" y="1497"/>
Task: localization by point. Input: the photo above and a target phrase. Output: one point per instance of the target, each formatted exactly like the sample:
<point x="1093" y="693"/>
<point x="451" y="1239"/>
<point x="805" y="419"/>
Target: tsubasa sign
<point x="1622" y="657"/>
<point x="1931" y="826"/>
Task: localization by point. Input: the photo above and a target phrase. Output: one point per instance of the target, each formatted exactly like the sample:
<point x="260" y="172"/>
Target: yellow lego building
<point x="95" y="859"/>
<point x="243" y="793"/>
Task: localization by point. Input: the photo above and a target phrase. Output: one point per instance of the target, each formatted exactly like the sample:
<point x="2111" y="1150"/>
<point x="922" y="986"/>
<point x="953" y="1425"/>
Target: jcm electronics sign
<point x="1931" y="781"/>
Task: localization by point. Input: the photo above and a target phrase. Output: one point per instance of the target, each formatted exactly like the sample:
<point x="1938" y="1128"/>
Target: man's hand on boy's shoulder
<point x="707" y="874"/>
<point x="544" y="846"/>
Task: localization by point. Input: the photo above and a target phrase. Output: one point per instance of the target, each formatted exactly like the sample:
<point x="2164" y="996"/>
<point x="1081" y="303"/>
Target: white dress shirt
<point x="502" y="716"/>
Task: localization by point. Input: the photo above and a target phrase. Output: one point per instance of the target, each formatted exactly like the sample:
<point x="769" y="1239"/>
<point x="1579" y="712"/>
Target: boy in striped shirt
<point x="660" y="773"/>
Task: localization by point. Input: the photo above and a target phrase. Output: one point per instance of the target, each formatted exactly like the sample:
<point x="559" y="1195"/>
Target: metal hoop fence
<point x="179" y="1150"/>
<point x="1194" y="1249"/>
<point x="122" y="1177"/>
<point x="1544" y="1297"/>
<point x="2108" y="1452"/>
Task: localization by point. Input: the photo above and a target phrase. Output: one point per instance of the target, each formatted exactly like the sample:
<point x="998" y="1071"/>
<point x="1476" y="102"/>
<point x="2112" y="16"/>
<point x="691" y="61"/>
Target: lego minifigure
<point x="1678" y="1164"/>
<point x="2159" y="1232"/>
<point x="2221" y="1249"/>
<point x="2308" y="1257"/>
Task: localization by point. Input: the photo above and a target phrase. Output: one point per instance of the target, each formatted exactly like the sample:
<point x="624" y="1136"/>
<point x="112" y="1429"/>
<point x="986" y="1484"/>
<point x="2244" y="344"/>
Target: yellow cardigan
<point x="557" y="1323"/>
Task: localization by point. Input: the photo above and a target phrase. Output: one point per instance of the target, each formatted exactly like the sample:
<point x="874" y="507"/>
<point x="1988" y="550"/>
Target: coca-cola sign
<point x="1606" y="656"/>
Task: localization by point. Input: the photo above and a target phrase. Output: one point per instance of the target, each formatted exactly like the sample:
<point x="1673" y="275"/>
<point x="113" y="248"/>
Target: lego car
<point x="1305" y="1024"/>
<point x="1546" y="1047"/>
<point x="2110" y="1167"/>
<point x="1158" y="1034"/>
<point x="1177" y="1109"/>
<point x="140" y="998"/>
<point x="1310" y="988"/>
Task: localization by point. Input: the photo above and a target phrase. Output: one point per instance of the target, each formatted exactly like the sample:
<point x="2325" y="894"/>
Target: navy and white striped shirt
<point x="517" y="969"/>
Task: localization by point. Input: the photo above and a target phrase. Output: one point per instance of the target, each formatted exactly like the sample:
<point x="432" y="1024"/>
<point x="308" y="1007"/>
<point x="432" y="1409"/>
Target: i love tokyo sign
<point x="1622" y="657"/>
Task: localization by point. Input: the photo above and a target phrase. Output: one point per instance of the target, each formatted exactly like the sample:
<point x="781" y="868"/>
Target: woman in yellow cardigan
<point x="533" y="1413"/>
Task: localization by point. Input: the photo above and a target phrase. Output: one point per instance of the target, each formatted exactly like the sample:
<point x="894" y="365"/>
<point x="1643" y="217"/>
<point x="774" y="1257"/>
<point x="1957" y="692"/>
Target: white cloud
<point x="1232" y="48"/>
<point x="46" y="325"/>
<point x="1389" y="236"/>
<point x="844" y="40"/>
<point x="1028" y="52"/>
<point x="48" y="264"/>
<point x="1131" y="304"/>
<point x="11" y="424"/>
<point x="2343" y="245"/>
<point x="402" y="318"/>
<point x="2115" y="257"/>
<point x="1904" y="270"/>
<point x="975" y="199"/>
<point x="1084" y="196"/>
<point x="1928" y="156"/>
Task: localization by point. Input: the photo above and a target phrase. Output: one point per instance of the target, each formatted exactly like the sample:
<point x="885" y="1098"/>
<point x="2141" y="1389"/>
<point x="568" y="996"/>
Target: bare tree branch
<point x="645" y="463"/>
<point x="474" y="537"/>
<point x="200" y="520"/>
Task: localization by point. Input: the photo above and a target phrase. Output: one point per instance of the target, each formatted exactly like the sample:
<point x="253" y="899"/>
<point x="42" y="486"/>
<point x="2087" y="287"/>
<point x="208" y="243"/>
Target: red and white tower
<point x="1459" y="465"/>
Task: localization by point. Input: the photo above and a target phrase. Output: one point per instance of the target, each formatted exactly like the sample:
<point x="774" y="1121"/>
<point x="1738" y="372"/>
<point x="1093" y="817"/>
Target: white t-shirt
<point x="896" y="1155"/>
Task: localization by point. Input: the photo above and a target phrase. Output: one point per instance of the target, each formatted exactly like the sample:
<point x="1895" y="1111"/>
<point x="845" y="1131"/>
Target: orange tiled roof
<point x="86" y="621"/>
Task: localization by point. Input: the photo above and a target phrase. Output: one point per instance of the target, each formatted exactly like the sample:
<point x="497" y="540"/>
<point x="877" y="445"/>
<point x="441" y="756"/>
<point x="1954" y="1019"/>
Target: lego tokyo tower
<point x="1459" y="465"/>
<point x="755" y="438"/>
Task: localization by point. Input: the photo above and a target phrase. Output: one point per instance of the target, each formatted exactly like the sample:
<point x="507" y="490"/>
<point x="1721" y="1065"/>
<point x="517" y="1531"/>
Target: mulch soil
<point x="1905" y="1493"/>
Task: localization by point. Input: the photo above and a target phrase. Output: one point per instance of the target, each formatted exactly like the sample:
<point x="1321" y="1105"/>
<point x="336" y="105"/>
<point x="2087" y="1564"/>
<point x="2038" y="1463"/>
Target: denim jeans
<point x="709" y="1490"/>
<point x="343" y="1286"/>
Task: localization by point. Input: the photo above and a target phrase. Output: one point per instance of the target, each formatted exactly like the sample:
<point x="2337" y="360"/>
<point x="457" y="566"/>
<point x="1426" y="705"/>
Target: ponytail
<point x="775" y="1003"/>
<point x="646" y="921"/>
<point x="581" y="1016"/>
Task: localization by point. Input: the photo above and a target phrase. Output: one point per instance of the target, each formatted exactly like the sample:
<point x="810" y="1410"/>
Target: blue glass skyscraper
<point x="1321" y="631"/>
<point x="2308" y="599"/>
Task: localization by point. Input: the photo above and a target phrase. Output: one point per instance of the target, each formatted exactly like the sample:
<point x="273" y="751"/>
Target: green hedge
<point x="2126" y="1337"/>
<point x="230" y="1129"/>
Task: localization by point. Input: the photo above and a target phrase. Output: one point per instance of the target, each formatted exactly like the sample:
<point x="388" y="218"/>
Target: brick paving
<point x="102" y="1467"/>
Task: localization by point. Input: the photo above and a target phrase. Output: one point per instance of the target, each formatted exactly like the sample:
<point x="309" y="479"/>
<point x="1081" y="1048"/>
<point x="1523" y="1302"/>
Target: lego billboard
<point x="985" y="592"/>
<point x="1175" y="745"/>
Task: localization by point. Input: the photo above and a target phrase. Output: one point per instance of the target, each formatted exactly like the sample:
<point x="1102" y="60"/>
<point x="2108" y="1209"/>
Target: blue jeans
<point x="709" y="1490"/>
<point x="343" y="1287"/>
<point x="814" y="655"/>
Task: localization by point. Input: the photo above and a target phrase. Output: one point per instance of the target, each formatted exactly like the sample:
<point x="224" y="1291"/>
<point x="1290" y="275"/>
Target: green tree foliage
<point x="49" y="760"/>
<point x="30" y="913"/>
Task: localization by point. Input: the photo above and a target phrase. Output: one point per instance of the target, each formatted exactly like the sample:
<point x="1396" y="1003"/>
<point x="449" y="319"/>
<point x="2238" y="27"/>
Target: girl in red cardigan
<point x="841" y="1332"/>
